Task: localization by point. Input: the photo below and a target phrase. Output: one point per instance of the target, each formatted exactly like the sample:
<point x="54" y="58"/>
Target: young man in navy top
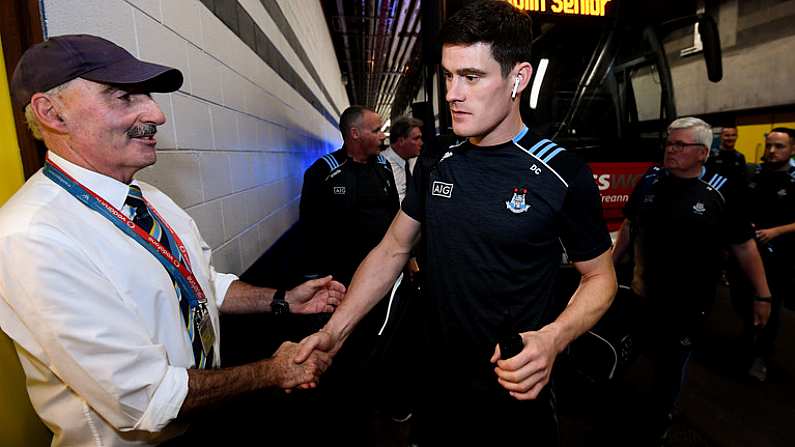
<point x="771" y="206"/>
<point x="496" y="212"/>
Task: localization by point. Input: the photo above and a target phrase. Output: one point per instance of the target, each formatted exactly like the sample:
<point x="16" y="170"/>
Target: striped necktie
<point x="149" y="223"/>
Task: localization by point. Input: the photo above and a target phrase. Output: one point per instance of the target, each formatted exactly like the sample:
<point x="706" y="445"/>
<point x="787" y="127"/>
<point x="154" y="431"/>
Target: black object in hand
<point x="510" y="346"/>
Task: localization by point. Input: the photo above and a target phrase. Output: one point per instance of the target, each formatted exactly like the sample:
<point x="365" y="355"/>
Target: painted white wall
<point x="754" y="76"/>
<point x="759" y="76"/>
<point x="238" y="137"/>
<point x="310" y="24"/>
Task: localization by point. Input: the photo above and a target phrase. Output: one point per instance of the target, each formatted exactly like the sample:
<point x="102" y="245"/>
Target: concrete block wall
<point x="757" y="77"/>
<point x="758" y="61"/>
<point x="260" y="102"/>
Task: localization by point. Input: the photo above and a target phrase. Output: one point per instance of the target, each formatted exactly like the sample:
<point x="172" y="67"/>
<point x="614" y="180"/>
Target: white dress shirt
<point x="94" y="316"/>
<point x="398" y="169"/>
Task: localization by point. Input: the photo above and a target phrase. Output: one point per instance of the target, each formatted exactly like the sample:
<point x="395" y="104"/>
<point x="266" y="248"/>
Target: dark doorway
<point x="20" y="27"/>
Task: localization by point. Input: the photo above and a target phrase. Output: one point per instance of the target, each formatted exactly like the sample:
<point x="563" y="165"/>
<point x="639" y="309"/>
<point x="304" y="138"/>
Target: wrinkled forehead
<point x="79" y="90"/>
<point x="684" y="135"/>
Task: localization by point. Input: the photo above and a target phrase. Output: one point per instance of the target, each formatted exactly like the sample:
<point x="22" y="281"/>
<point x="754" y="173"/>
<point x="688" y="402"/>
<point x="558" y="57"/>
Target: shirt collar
<point x="521" y="134"/>
<point x="391" y="155"/>
<point x="110" y="189"/>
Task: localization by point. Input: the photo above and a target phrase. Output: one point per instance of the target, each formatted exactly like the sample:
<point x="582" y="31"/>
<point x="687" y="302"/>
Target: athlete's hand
<point x="319" y="342"/>
<point x="761" y="311"/>
<point x="526" y="374"/>
<point x="767" y="234"/>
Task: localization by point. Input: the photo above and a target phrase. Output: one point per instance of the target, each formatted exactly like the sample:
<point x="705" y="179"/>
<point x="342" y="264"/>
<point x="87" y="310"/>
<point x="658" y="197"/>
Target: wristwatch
<point x="278" y="305"/>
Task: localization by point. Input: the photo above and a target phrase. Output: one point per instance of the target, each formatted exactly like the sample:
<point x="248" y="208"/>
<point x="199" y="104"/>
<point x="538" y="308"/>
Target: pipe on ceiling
<point x="346" y="44"/>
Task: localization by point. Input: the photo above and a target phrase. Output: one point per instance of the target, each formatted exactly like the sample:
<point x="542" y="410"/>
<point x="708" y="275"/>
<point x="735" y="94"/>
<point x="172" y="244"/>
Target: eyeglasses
<point x="679" y="146"/>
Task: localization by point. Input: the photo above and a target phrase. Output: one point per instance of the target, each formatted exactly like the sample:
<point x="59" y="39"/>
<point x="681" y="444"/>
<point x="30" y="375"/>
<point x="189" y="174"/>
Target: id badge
<point x="206" y="331"/>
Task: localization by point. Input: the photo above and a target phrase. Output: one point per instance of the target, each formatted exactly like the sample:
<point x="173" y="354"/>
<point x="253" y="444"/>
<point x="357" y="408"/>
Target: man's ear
<point x="525" y="71"/>
<point x="355" y="133"/>
<point x="47" y="112"/>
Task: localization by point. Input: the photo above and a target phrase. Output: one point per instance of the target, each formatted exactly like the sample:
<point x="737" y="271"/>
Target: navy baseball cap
<point x="60" y="59"/>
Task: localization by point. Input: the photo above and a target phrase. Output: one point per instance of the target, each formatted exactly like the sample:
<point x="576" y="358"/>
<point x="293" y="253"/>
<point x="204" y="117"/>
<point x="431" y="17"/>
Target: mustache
<point x="142" y="130"/>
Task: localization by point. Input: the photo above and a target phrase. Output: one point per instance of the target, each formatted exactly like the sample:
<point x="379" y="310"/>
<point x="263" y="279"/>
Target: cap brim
<point x="145" y="76"/>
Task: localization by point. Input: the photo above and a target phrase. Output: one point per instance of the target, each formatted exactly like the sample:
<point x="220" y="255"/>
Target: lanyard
<point x="178" y="271"/>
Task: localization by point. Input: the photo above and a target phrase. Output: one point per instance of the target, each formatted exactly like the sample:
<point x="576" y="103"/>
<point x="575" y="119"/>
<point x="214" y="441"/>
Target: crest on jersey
<point x="698" y="208"/>
<point x="517" y="204"/>
<point x="782" y="192"/>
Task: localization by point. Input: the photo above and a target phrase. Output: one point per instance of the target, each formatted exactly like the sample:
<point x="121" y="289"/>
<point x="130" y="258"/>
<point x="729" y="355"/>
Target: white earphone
<point x="516" y="86"/>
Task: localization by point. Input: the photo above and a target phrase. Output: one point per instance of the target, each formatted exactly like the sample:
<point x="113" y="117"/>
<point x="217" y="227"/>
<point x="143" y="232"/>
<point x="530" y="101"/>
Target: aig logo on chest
<point x="442" y="189"/>
<point x="339" y="190"/>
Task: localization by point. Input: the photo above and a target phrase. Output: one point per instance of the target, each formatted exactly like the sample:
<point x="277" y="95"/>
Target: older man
<point x="347" y="202"/>
<point x="677" y="224"/>
<point x="348" y="198"/>
<point x="106" y="286"/>
<point x="405" y="135"/>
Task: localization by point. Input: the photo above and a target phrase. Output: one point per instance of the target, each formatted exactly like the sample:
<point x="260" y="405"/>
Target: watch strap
<point x="279" y="305"/>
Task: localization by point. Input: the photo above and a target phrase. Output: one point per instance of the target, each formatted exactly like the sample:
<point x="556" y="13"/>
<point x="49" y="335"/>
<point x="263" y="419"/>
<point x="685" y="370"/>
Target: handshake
<point x="300" y="365"/>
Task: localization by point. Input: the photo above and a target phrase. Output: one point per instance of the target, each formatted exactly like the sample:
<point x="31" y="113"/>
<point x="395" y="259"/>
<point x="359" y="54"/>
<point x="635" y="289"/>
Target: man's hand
<point x="289" y="374"/>
<point x="767" y="235"/>
<point x="315" y="296"/>
<point x="319" y="343"/>
<point x="526" y="374"/>
<point x="208" y="386"/>
<point x="761" y="311"/>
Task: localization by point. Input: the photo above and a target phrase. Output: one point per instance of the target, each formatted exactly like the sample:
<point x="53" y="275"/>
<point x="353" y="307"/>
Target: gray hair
<point x="701" y="130"/>
<point x="401" y="127"/>
<point x="33" y="123"/>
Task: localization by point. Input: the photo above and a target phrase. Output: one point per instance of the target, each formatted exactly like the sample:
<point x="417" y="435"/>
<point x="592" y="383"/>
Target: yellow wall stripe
<point x="11" y="176"/>
<point x="21" y="426"/>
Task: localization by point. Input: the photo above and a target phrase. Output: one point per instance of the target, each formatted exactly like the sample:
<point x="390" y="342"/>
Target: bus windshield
<point x="598" y="87"/>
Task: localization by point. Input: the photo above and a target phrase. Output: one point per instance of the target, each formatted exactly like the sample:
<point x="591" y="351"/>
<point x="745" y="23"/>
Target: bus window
<point x="648" y="92"/>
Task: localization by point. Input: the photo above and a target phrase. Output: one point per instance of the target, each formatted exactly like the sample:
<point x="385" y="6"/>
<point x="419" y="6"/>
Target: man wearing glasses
<point x="677" y="223"/>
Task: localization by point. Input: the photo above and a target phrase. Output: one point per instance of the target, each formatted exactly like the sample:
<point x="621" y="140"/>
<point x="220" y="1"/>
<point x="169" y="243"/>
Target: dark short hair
<point x="349" y="118"/>
<point x="508" y="30"/>
<point x="401" y="127"/>
<point x="786" y="130"/>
